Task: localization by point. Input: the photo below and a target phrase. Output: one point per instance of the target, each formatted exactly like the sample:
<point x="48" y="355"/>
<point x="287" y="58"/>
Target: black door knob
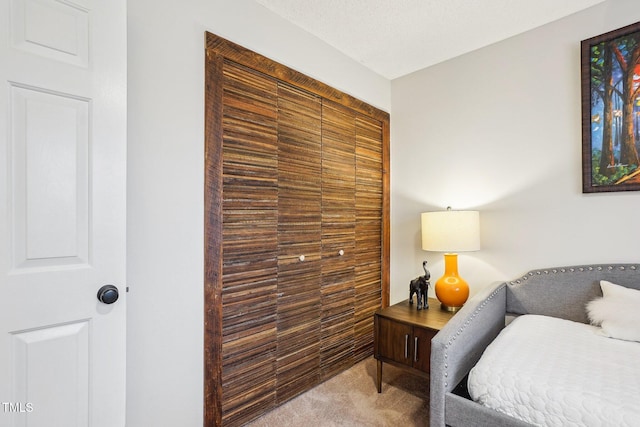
<point x="108" y="294"/>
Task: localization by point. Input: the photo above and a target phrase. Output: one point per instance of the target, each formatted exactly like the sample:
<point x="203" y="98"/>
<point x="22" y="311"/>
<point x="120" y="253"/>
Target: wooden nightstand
<point x="402" y="335"/>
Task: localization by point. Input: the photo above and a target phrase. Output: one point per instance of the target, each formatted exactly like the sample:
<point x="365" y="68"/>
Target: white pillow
<point x="612" y="290"/>
<point x="617" y="312"/>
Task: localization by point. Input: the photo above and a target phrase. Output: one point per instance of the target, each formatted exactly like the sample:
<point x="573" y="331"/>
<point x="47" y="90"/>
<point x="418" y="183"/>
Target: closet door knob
<point x="108" y="294"/>
<point x="340" y="252"/>
<point x="301" y="257"/>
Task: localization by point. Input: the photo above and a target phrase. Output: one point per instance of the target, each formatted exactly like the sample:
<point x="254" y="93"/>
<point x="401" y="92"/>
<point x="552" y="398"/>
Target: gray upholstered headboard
<point x="564" y="291"/>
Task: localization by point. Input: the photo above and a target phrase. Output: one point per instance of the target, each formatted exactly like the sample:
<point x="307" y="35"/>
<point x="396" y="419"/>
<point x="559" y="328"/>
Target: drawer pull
<point x="415" y="349"/>
<point x="406" y="346"/>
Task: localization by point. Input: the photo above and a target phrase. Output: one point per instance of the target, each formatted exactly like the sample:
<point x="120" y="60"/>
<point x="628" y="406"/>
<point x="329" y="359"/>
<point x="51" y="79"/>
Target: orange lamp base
<point x="451" y="290"/>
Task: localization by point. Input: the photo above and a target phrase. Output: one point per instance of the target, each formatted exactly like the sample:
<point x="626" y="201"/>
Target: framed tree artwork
<point x="611" y="111"/>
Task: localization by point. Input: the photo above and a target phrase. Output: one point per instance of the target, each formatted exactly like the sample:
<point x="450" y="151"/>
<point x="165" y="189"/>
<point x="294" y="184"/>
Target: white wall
<point x="165" y="182"/>
<point x="499" y="130"/>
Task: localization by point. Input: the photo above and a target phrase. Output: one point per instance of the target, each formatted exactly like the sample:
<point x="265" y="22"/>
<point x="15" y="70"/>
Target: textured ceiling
<point x="397" y="37"/>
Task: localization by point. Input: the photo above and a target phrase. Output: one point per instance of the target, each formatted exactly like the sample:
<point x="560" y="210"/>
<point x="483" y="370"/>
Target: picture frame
<point x="610" y="72"/>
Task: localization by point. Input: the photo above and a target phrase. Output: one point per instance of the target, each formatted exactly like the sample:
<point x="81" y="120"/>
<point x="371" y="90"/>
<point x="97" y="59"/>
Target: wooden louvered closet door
<point x="249" y="244"/>
<point x="299" y="241"/>
<point x="369" y="223"/>
<point x="296" y="232"/>
<point x="338" y="238"/>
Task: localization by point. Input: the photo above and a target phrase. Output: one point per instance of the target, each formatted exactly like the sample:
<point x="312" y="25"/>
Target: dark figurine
<point x="420" y="287"/>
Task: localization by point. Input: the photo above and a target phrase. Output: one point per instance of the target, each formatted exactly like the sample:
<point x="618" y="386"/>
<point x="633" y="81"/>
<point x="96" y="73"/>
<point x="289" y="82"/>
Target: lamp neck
<point x="450" y="264"/>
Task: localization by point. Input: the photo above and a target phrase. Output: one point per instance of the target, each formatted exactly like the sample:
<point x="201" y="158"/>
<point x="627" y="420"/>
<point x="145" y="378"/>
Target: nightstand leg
<point x="379" y="376"/>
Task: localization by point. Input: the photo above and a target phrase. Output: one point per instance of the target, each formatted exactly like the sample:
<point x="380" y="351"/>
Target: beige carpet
<point x="351" y="399"/>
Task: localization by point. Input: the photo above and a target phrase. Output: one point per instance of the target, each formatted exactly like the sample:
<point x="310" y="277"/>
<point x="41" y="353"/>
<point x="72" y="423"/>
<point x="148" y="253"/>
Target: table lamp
<point x="451" y="232"/>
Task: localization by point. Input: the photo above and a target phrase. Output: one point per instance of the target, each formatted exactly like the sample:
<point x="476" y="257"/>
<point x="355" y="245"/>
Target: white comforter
<point x="554" y="372"/>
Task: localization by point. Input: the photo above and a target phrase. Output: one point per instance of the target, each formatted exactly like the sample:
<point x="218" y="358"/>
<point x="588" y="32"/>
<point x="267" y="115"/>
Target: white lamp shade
<point x="451" y="231"/>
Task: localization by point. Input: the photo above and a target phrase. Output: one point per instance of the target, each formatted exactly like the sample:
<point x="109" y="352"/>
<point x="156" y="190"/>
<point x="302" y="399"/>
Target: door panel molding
<point x="67" y="41"/>
<point x="49" y="160"/>
<point x="66" y="347"/>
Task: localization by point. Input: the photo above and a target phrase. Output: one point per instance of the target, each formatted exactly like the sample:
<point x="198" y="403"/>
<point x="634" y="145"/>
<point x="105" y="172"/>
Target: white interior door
<point x="62" y="212"/>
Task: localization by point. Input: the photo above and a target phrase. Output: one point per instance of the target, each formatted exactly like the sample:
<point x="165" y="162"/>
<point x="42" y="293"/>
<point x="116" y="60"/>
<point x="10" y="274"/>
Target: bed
<point x="546" y="349"/>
